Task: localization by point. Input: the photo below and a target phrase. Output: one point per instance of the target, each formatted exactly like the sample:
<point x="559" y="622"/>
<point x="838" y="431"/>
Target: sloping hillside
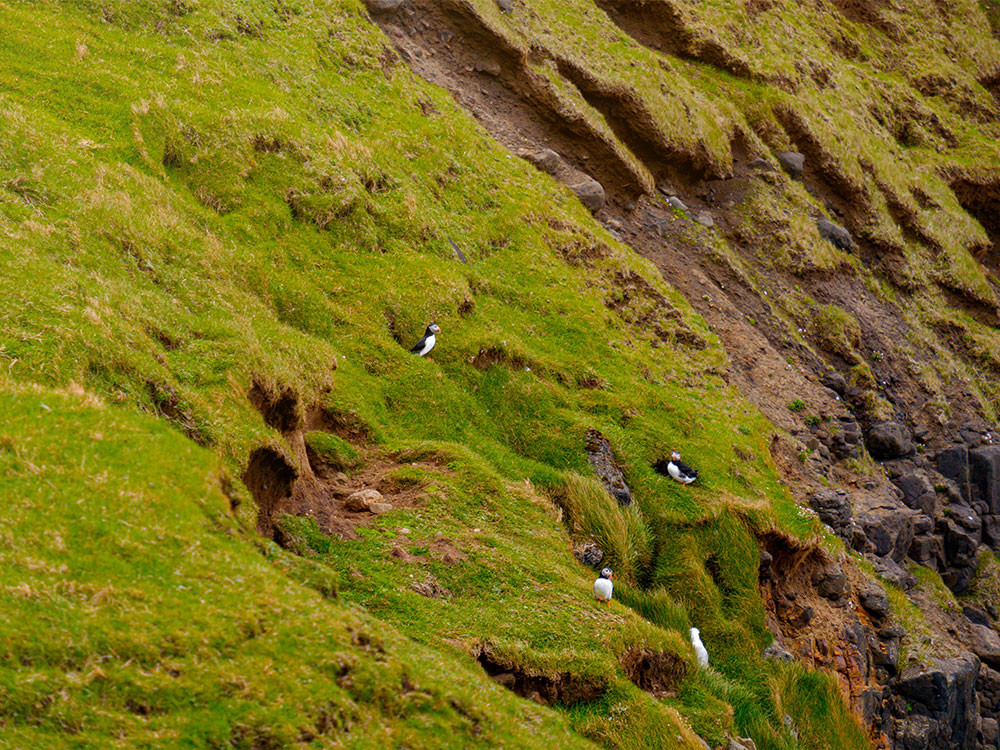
<point x="225" y="223"/>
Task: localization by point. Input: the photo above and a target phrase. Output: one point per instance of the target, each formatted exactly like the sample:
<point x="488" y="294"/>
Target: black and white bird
<point x="676" y="469"/>
<point x="603" y="587"/>
<point x="699" y="648"/>
<point x="424" y="346"/>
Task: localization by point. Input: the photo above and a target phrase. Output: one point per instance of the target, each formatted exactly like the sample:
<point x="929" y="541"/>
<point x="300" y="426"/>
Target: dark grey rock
<point x="589" y="554"/>
<point x="976" y="615"/>
<point x="505" y="5"/>
<point x="945" y="693"/>
<point x="589" y="191"/>
<point x="913" y="485"/>
<point x="874" y="599"/>
<point x="927" y="550"/>
<point x="953" y="463"/>
<point x="792" y="162"/>
<point x="917" y="733"/>
<point x="678" y="204"/>
<point x="835" y="233"/>
<point x="834" y="381"/>
<point x="961" y="542"/>
<point x="884" y="651"/>
<point x="891" y="571"/>
<point x="889" y="528"/>
<point x="832" y="582"/>
<point x="608" y="471"/>
<point x="984" y="476"/>
<point x="889" y="440"/>
<point x="705" y="219"/>
<point x="985" y="644"/>
<point x="991" y="530"/>
<point x="833" y="508"/>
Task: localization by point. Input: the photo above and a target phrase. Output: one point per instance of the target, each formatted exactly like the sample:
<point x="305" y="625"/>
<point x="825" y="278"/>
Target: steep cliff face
<point x="242" y="514"/>
<point x="821" y="182"/>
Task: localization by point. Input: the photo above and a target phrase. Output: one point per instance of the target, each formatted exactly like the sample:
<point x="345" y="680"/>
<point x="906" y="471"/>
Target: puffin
<point x="676" y="469"/>
<point x="424" y="346"/>
<point x="603" y="587"/>
<point x="699" y="648"/>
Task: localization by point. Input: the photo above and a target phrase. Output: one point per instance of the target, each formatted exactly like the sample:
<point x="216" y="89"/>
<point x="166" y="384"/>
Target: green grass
<point x="196" y="197"/>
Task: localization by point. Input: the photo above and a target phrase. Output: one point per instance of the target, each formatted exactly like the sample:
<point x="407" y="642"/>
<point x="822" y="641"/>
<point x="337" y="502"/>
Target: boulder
<point x="379" y="508"/>
<point x="985" y="644"/>
<point x="833" y="508"/>
<point x="976" y="615"/>
<point x="607" y="469"/>
<point x="835" y="233"/>
<point x="884" y="650"/>
<point x="831" y="582"/>
<point x="792" y="162"/>
<point x="588" y="553"/>
<point x="505" y="6"/>
<point x="891" y="571"/>
<point x="953" y="464"/>
<point x="678" y="205"/>
<point x="889" y="440"/>
<point x="962" y="538"/>
<point x="874" y="600"/>
<point x="945" y="692"/>
<point x="834" y="381"/>
<point x="984" y="476"/>
<point x="589" y="191"/>
<point x="913" y="485"/>
<point x="888" y="527"/>
<point x="705" y="219"/>
<point x="362" y="500"/>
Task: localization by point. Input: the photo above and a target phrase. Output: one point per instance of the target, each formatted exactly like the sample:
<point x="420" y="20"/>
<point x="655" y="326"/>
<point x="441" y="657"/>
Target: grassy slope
<point x="149" y="249"/>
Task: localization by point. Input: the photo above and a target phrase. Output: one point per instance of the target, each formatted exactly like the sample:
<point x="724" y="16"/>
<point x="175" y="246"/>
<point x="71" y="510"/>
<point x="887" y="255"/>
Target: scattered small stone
<point x="341" y="476"/>
<point x="363" y="499"/>
<point x="677" y="204"/>
<point x="405" y="531"/>
<point x="835" y="233"/>
<point x="505" y="6"/>
<point x="489" y="67"/>
<point x="705" y="219"/>
<point x="613" y="224"/>
<point x="778" y="652"/>
<point x="793" y="162"/>
<point x="761" y="165"/>
<point x="379" y="508"/>
<point x="383" y="6"/>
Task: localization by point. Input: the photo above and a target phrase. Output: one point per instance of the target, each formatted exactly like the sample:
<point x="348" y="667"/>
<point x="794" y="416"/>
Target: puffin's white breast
<point x="603" y="588"/>
<point x="428" y="344"/>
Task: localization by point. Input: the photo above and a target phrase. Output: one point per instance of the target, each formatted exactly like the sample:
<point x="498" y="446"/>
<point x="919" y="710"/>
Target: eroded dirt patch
<point x="546" y="688"/>
<point x="656" y="672"/>
<point x="305" y="482"/>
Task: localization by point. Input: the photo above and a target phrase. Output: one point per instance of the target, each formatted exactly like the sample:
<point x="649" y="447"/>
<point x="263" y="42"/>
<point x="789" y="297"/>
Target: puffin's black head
<point x="432" y="329"/>
<point x="606" y="573"/>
